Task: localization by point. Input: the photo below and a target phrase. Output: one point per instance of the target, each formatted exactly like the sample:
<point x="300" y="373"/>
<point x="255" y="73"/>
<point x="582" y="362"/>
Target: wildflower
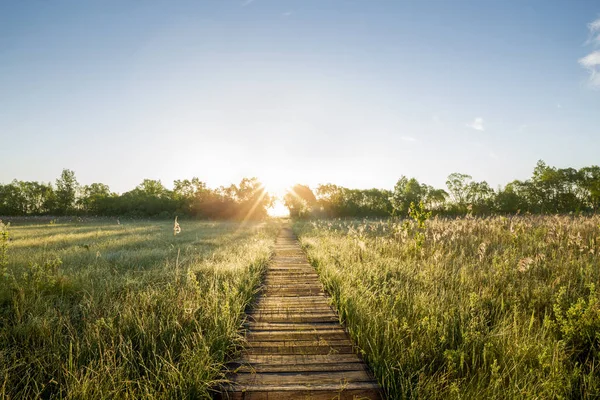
<point x="176" y="228"/>
<point x="481" y="251"/>
<point x="524" y="264"/>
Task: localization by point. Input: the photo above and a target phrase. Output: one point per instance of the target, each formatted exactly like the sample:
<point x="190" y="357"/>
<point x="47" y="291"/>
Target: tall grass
<point x="496" y="308"/>
<point x="103" y="310"/>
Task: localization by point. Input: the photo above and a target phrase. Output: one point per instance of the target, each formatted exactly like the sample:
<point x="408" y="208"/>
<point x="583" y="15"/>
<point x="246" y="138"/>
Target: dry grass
<point x="100" y="310"/>
<point x="468" y="308"/>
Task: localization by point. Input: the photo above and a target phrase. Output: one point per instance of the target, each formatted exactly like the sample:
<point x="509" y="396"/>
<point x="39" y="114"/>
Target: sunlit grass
<point x="491" y="308"/>
<point x="101" y="310"/>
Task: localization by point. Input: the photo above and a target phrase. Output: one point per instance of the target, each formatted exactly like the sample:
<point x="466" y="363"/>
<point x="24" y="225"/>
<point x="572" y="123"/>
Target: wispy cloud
<point x="247" y="3"/>
<point x="591" y="62"/>
<point x="477" y="124"/>
<point x="408" y="139"/>
<point x="594" y="28"/>
<point x="493" y="155"/>
<point x="287" y="13"/>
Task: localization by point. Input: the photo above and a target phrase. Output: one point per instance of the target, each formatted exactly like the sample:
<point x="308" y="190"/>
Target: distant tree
<point x="512" y="198"/>
<point x="407" y="191"/>
<point x="435" y="199"/>
<point x="589" y="183"/>
<point x="458" y="187"/>
<point x="66" y="192"/>
<point x="252" y="199"/>
<point x="151" y="187"/>
<point x="189" y="194"/>
<point x="12" y="201"/>
<point x="549" y="190"/>
<point x="480" y="196"/>
<point x="331" y="199"/>
<point x="300" y="201"/>
<point x="94" y="198"/>
<point x="376" y="203"/>
<point x="556" y="190"/>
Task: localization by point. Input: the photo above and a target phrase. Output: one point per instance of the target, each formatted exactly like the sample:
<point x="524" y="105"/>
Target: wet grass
<point x="496" y="308"/>
<point x="101" y="310"/>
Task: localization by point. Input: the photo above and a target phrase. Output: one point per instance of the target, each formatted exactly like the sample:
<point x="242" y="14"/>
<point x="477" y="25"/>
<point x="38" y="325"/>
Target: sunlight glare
<point x="276" y="186"/>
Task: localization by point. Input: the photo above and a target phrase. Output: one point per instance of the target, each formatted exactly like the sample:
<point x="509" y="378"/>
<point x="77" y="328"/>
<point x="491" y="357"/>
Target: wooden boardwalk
<point x="297" y="348"/>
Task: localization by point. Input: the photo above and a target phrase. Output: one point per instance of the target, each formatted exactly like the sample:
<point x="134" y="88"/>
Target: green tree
<point x="252" y="199"/>
<point x="66" y="192"/>
<point x="407" y="191"/>
<point x="435" y="199"/>
<point x="300" y="201"/>
<point x="589" y="182"/>
<point x="458" y="187"/>
<point x="94" y="198"/>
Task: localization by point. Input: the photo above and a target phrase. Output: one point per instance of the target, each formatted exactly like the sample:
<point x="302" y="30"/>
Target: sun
<point x="277" y="187"/>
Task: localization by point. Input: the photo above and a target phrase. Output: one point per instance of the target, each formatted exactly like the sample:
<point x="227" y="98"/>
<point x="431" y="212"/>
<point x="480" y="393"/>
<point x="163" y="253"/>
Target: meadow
<point x="496" y="307"/>
<point x="101" y="309"/>
<point x="486" y="308"/>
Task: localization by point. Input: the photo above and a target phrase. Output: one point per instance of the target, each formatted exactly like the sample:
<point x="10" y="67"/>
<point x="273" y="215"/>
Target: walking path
<point x="297" y="348"/>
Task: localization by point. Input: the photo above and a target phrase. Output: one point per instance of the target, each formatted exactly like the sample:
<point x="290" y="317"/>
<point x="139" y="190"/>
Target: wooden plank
<point x="299" y="378"/>
<point x="338" y="349"/>
<point x="319" y="367"/>
<point x="308" y="309"/>
<point x="257" y="359"/>
<point x="299" y="343"/>
<point x="350" y="391"/>
<point x="293" y="318"/>
<point x="280" y="326"/>
<point x="296" y="348"/>
<point x="297" y="335"/>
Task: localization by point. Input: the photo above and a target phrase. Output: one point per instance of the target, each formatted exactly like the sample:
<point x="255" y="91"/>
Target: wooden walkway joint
<point x="296" y="347"/>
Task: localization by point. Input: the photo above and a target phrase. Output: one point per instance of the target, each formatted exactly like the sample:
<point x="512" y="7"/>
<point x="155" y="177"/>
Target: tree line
<point x="151" y="198"/>
<point x="549" y="190"/>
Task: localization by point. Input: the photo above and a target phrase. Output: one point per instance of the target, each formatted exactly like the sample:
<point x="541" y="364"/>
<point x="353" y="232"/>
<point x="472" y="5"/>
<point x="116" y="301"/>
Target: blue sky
<point x="356" y="93"/>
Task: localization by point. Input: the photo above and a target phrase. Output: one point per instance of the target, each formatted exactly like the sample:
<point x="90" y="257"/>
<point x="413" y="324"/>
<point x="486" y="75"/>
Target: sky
<point x="355" y="93"/>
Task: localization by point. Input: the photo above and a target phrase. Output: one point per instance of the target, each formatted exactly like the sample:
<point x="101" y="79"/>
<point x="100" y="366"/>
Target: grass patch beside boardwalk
<point x="495" y="308"/>
<point x="99" y="310"/>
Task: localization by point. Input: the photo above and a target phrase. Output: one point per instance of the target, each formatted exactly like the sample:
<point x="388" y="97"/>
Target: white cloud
<point x="287" y="13"/>
<point x="594" y="28"/>
<point x="493" y="155"/>
<point x="247" y="3"/>
<point x="408" y="139"/>
<point x="591" y="62"/>
<point x="477" y="124"/>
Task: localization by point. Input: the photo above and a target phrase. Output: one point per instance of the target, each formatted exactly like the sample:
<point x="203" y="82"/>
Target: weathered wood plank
<point x="306" y="368"/>
<point x="293" y="318"/>
<point x="332" y="349"/>
<point x="257" y="359"/>
<point x="299" y="378"/>
<point x="296" y="335"/>
<point x="280" y="326"/>
<point x="295" y="346"/>
<point x="350" y="391"/>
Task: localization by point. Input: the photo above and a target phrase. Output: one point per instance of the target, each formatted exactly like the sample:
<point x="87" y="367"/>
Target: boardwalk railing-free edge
<point x="296" y="347"/>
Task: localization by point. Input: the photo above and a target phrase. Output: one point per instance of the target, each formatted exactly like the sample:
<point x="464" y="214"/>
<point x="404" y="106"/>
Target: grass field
<point x="496" y="308"/>
<point x="100" y="309"/>
<point x="466" y="308"/>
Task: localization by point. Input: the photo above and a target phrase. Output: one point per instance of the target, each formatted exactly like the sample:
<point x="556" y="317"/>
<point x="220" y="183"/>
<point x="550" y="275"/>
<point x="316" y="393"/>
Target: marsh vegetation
<point x="502" y="307"/>
<point x="100" y="309"/>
